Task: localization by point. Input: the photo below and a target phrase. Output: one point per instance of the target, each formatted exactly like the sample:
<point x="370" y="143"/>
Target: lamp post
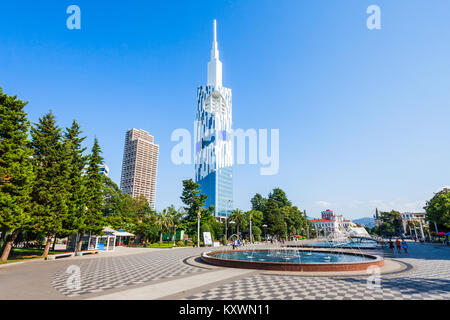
<point x="415" y="230"/>
<point x="251" y="240"/>
<point x="421" y="230"/>
<point x="232" y="223"/>
<point x="199" y="214"/>
<point x="226" y="221"/>
<point x="265" y="233"/>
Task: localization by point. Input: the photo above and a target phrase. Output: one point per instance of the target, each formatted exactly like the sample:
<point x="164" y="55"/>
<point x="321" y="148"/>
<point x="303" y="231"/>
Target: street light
<point x="232" y="222"/>
<point x="251" y="241"/>
<point x="226" y="221"/>
<point x="265" y="233"/>
<point x="199" y="214"/>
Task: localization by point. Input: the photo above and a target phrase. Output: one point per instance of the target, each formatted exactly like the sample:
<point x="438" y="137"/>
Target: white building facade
<point x="335" y="226"/>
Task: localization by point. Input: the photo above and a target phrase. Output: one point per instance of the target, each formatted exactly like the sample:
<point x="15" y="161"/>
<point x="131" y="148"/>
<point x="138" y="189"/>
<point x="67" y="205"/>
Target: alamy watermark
<point x="374" y="20"/>
<point x="252" y="142"/>
<point x="73" y="281"/>
<point x="74" y="20"/>
<point x="374" y="278"/>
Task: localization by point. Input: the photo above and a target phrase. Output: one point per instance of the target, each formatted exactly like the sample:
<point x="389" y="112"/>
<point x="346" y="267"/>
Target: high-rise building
<point x="104" y="170"/>
<point x="139" y="166"/>
<point x="213" y="138"/>
<point x="328" y="215"/>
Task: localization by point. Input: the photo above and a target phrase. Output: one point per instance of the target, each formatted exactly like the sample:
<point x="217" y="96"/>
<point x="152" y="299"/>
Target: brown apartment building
<point x="140" y="164"/>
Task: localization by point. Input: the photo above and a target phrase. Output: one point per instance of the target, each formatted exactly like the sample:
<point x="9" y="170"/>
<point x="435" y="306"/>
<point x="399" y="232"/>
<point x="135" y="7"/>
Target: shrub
<point x="180" y="243"/>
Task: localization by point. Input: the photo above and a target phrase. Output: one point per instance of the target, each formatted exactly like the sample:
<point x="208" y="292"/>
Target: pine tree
<point x="94" y="220"/>
<point x="50" y="187"/>
<point x="76" y="187"/>
<point x="194" y="200"/>
<point x="16" y="169"/>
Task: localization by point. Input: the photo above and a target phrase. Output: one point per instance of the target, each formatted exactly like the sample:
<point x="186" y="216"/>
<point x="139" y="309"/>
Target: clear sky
<point x="363" y="114"/>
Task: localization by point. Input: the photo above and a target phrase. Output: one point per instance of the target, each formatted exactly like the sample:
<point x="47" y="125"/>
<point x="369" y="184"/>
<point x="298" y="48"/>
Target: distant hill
<point x="368" y="222"/>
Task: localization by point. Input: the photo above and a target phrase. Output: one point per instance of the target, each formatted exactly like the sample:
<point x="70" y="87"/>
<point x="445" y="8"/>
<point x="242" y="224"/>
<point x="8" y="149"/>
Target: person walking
<point x="398" y="245"/>
<point x="405" y="246"/>
<point x="391" y="245"/>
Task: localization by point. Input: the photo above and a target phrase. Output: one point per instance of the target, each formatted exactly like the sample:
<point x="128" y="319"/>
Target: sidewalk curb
<point x="21" y="262"/>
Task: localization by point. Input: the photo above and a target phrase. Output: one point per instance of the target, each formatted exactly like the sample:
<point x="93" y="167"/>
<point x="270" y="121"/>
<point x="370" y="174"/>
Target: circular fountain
<point x="368" y="244"/>
<point x="307" y="260"/>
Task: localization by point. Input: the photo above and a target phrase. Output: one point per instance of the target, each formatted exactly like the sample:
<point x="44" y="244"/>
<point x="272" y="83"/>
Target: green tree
<point x="176" y="221"/>
<point x="296" y="222"/>
<point x="438" y="208"/>
<point x="50" y="187"/>
<point x="218" y="229"/>
<point x="391" y="223"/>
<point x="193" y="200"/>
<point x="76" y="188"/>
<point x="258" y="202"/>
<point x="164" y="222"/>
<point x="256" y="219"/>
<point x="93" y="219"/>
<point x="16" y="169"/>
<point x="238" y="217"/>
<point x="112" y="198"/>
<point x="256" y="233"/>
<point x="280" y="197"/>
<point x="141" y="208"/>
<point x="256" y="216"/>
<point x="274" y="219"/>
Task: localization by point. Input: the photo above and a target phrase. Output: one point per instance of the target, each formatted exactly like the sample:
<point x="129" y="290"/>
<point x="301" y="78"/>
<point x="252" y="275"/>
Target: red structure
<point x="328" y="214"/>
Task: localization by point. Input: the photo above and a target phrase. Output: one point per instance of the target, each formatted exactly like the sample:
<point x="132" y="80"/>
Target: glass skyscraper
<point x="213" y="138"/>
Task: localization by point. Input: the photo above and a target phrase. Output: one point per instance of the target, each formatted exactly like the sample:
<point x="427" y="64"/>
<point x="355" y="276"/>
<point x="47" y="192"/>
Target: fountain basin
<point x="340" y="245"/>
<point x="293" y="260"/>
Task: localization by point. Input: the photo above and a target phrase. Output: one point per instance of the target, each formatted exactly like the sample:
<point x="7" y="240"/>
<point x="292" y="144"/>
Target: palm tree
<point x="176" y="216"/>
<point x="164" y="221"/>
<point x="238" y="217"/>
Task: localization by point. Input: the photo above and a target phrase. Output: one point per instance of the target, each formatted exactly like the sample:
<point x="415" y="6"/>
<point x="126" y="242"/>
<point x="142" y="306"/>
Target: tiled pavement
<point x="428" y="278"/>
<point x="106" y="273"/>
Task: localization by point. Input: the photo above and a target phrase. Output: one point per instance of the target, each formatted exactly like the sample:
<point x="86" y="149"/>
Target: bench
<point x="59" y="255"/>
<point x="82" y="253"/>
<point x="70" y="254"/>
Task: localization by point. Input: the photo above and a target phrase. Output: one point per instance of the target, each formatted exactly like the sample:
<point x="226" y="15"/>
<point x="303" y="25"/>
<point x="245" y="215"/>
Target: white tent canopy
<point x="122" y="234"/>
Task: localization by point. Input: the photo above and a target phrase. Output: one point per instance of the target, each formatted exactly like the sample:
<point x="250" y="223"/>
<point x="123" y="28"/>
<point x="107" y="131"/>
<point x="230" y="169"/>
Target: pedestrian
<point x="391" y="245"/>
<point x="404" y="246"/>
<point x="232" y="244"/>
<point x="398" y="245"/>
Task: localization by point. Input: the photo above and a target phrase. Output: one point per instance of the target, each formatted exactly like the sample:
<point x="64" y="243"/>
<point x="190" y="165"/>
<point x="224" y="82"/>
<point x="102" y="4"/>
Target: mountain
<point x="368" y="222"/>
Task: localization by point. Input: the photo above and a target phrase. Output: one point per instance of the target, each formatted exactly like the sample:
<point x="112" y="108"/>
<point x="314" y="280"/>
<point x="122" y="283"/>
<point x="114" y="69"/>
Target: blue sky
<point x="363" y="114"/>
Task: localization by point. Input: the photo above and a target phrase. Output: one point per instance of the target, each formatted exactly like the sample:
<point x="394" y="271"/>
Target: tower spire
<point x="215" y="30"/>
<point x="214" y="65"/>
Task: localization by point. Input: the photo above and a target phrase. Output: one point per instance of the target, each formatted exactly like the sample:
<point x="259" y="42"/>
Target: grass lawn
<point x="164" y="244"/>
<point x="19" y="254"/>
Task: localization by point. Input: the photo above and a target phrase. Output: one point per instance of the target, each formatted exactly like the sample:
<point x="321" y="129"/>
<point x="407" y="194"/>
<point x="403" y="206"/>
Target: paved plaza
<point x="177" y="273"/>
